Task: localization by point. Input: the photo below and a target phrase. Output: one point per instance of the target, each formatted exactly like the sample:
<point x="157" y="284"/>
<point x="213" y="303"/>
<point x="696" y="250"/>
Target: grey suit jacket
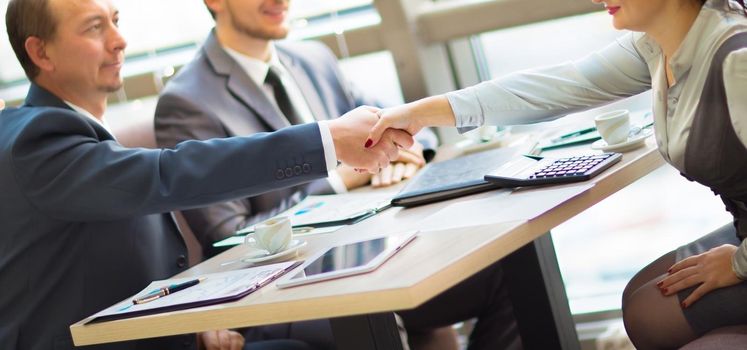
<point x="213" y="97"/>
<point x="81" y="217"/>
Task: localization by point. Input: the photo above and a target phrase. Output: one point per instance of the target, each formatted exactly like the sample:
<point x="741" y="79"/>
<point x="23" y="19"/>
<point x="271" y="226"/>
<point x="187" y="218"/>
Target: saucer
<point x="632" y="142"/>
<point x="292" y="248"/>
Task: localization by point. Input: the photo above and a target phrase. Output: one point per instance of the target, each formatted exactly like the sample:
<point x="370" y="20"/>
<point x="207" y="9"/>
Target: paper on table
<point x="239" y="239"/>
<point x="215" y="288"/>
<point x="335" y="210"/>
<point x="503" y="206"/>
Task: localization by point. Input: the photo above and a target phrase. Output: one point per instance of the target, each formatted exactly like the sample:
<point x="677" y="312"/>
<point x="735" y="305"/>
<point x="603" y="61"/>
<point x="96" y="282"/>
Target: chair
<point x="725" y="338"/>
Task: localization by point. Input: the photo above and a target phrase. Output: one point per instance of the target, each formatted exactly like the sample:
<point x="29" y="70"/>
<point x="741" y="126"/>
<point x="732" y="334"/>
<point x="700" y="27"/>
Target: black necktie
<point x="281" y="97"/>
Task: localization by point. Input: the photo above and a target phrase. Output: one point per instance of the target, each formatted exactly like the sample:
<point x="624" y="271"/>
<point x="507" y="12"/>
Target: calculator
<point x="533" y="170"/>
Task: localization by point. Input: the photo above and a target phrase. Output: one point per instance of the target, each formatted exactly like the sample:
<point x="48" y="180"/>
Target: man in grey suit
<point x="85" y="221"/>
<point x="227" y="91"/>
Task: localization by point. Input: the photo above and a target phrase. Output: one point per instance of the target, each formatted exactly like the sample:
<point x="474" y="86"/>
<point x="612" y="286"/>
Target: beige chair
<point x="132" y="125"/>
<point x="725" y="338"/>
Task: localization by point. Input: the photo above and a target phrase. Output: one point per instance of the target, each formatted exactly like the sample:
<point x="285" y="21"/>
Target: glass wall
<point x="551" y="42"/>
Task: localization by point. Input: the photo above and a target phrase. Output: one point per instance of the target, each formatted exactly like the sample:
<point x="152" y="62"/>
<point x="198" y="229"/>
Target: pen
<point x="164" y="291"/>
<point x="575" y="133"/>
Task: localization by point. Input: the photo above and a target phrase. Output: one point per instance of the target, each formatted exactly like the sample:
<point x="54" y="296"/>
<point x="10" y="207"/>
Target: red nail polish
<point x="368" y="143"/>
<point x="684" y="305"/>
<point x="659" y="284"/>
<point x="665" y="291"/>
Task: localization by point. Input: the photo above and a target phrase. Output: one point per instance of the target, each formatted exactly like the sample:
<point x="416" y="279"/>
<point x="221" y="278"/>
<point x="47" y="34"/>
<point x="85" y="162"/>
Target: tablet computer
<point x="347" y="259"/>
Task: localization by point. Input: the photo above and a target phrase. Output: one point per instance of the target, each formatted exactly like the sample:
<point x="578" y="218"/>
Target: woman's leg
<point x="657" y="322"/>
<point x="652" y="320"/>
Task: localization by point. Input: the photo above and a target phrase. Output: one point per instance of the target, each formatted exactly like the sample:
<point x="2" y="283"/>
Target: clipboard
<point x="216" y="288"/>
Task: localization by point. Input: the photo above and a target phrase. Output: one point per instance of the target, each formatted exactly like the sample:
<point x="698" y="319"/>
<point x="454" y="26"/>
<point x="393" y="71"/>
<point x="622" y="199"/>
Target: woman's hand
<point x="412" y="117"/>
<point x="711" y="270"/>
<point x="349" y="133"/>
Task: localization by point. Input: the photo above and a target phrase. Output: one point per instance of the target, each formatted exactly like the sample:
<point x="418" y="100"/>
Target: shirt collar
<point x="88" y="114"/>
<point x="256" y="69"/>
<point x="691" y="47"/>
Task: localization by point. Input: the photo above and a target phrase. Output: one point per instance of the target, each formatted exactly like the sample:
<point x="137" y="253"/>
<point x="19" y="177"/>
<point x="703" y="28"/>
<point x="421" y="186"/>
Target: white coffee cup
<point x="613" y="126"/>
<point x="272" y="235"/>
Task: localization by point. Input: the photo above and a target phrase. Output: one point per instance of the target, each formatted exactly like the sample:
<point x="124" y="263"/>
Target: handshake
<point x="368" y="138"/>
<point x="350" y="134"/>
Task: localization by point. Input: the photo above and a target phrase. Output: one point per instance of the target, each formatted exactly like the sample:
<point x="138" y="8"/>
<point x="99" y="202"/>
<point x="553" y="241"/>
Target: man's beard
<point x="111" y="88"/>
<point x="257" y="32"/>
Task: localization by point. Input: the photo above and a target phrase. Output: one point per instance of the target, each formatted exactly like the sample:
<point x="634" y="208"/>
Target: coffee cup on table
<point x="613" y="126"/>
<point x="272" y="235"/>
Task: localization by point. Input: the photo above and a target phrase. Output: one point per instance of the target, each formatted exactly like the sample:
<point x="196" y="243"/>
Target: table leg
<point x="538" y="295"/>
<point x="367" y="332"/>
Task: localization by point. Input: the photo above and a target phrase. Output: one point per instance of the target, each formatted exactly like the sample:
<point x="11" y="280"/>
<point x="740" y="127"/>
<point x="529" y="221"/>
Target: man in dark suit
<point x="85" y="221"/>
<point x="228" y="90"/>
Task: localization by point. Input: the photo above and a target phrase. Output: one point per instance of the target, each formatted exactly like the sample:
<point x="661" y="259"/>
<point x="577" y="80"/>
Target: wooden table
<point x="434" y="262"/>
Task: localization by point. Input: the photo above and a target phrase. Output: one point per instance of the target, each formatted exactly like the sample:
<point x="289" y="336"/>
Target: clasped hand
<point x="708" y="271"/>
<point x="350" y="132"/>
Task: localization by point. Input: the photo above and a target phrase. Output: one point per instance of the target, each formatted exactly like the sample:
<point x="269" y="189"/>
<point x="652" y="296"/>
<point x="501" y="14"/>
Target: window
<point x="152" y="27"/>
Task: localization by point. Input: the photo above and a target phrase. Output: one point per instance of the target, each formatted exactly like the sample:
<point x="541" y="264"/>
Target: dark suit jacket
<point x="81" y="217"/>
<point x="212" y="96"/>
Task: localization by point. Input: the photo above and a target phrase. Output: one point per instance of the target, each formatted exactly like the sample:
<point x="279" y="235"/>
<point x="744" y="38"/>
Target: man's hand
<point x="710" y="270"/>
<point x="350" y="132"/>
<point x="352" y="178"/>
<point x="405" y="167"/>
<point x="223" y="339"/>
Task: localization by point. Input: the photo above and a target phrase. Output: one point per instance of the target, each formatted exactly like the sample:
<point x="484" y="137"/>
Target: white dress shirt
<point x="257" y="71"/>
<point x="88" y="114"/>
<point x="631" y="65"/>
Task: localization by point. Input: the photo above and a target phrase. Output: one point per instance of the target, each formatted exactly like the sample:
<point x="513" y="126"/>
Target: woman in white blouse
<point x="692" y="53"/>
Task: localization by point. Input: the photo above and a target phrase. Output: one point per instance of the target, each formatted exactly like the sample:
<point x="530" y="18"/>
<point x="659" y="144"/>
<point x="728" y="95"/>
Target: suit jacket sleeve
<point x="69" y="172"/>
<point x="178" y="120"/>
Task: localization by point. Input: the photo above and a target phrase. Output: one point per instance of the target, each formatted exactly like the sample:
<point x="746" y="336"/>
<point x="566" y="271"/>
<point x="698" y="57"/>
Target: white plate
<point x="632" y="142"/>
<point x="290" y="250"/>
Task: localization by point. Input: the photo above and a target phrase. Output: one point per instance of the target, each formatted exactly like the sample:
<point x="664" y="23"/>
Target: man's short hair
<point x="24" y="19"/>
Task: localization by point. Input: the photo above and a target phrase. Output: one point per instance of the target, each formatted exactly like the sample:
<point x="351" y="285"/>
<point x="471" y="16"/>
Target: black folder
<point x="454" y="178"/>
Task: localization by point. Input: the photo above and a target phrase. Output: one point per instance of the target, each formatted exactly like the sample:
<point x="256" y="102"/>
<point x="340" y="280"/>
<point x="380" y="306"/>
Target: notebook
<point x="454" y="178"/>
